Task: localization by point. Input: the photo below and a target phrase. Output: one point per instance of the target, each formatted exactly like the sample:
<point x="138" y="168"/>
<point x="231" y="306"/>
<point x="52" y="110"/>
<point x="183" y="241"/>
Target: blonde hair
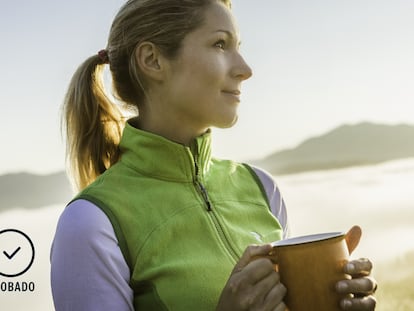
<point x="93" y="123"/>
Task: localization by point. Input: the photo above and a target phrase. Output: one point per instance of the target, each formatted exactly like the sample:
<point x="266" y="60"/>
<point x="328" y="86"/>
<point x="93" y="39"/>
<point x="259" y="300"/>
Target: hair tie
<point x="104" y="57"/>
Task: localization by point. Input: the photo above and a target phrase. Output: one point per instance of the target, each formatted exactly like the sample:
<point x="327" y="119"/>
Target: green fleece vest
<point x="182" y="219"/>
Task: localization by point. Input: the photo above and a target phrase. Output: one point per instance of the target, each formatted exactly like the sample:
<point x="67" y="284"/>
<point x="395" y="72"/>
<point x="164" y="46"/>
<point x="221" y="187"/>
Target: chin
<point x="228" y="123"/>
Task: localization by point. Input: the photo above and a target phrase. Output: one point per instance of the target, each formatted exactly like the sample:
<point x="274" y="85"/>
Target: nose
<point x="241" y="69"/>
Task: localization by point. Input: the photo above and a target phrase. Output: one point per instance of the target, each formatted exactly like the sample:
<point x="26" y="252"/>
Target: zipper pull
<point x="200" y="185"/>
<point x="205" y="195"/>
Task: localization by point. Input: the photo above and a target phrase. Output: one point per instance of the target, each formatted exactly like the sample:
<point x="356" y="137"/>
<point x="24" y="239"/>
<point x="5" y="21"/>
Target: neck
<point x="173" y="131"/>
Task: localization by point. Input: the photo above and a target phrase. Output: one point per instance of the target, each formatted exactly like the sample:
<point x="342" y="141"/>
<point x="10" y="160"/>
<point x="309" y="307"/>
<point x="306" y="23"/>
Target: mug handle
<point x="352" y="238"/>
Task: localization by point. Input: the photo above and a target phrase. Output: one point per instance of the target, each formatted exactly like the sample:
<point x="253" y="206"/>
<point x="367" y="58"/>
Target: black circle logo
<point x="16" y="253"/>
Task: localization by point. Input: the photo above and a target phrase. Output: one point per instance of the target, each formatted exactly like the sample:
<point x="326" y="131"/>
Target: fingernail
<point x="342" y="286"/>
<point x="350" y="267"/>
<point x="345" y="304"/>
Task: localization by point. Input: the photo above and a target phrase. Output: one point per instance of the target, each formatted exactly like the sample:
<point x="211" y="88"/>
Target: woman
<point x="159" y="224"/>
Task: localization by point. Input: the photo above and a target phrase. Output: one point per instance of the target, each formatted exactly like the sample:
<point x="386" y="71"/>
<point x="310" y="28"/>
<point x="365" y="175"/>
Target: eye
<point x="220" y="44"/>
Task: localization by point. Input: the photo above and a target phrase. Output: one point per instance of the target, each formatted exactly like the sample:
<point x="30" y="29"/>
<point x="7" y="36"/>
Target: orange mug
<point x="310" y="266"/>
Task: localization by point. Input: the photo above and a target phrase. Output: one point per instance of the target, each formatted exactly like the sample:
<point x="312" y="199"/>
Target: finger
<point x="361" y="286"/>
<point x="257" y="297"/>
<point x="281" y="307"/>
<point x="266" y="285"/>
<point x="359" y="304"/>
<point x="359" y="267"/>
<point x="258" y="270"/>
<point x="252" y="252"/>
<point x="275" y="296"/>
<point x="250" y="275"/>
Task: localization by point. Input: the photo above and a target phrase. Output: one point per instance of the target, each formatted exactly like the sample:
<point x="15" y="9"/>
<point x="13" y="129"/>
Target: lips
<point x="234" y="95"/>
<point x="232" y="92"/>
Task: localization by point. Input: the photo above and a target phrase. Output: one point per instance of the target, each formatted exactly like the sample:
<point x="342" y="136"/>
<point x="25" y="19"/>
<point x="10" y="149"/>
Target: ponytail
<point x="92" y="124"/>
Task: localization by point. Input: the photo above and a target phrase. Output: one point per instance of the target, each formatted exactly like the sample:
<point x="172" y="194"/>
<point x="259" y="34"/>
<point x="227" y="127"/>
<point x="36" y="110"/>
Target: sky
<point x="316" y="65"/>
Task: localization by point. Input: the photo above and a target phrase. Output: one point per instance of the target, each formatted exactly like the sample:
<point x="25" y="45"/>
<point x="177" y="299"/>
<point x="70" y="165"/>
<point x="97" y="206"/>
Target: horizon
<point x="264" y="163"/>
<point x="43" y="172"/>
<point x="316" y="66"/>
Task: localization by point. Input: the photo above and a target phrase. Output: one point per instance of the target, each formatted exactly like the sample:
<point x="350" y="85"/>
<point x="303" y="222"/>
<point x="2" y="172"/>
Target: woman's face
<point x="205" y="78"/>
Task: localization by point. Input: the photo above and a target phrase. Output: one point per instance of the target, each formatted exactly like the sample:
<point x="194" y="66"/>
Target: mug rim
<point x="305" y="239"/>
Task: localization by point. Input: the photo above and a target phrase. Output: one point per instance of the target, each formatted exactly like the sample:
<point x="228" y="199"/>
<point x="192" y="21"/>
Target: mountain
<point x="24" y="190"/>
<point x="347" y="145"/>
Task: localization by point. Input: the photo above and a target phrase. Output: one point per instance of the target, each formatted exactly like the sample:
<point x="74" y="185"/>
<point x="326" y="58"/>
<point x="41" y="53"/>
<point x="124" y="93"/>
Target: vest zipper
<point x="212" y="214"/>
<point x="201" y="187"/>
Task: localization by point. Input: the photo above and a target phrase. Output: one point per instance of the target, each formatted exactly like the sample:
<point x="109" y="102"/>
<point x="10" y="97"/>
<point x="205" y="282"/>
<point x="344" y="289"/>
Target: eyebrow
<point x="230" y="34"/>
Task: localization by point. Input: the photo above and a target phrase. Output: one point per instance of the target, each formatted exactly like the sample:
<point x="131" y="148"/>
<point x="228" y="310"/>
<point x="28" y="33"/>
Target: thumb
<point x="251" y="253"/>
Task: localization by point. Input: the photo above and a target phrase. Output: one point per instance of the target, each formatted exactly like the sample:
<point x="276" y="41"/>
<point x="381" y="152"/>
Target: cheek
<point x="215" y="69"/>
<point x="207" y="68"/>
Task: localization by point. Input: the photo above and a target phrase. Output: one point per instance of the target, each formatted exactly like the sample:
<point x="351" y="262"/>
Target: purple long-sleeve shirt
<point x="88" y="270"/>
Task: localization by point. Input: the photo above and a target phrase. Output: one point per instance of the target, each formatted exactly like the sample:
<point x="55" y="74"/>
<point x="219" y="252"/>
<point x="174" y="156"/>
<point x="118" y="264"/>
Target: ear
<point x="150" y="61"/>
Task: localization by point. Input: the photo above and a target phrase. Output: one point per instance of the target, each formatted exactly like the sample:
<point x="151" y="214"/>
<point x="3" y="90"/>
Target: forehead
<point x="217" y="16"/>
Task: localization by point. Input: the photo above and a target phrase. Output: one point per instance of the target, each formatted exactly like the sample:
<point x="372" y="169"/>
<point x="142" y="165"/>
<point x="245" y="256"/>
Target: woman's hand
<point x="361" y="287"/>
<point x="254" y="284"/>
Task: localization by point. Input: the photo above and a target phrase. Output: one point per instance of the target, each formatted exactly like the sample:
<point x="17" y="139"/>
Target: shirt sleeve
<point x="277" y="204"/>
<point x="88" y="270"/>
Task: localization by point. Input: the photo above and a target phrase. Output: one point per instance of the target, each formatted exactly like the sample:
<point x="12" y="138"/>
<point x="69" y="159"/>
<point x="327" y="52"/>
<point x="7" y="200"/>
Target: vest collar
<point x="158" y="157"/>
